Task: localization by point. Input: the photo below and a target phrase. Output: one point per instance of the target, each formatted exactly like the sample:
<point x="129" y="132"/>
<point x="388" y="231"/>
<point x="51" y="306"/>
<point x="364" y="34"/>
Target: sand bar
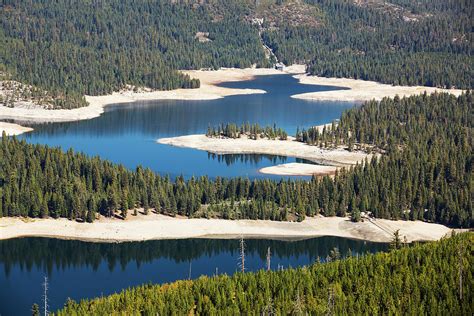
<point x="299" y="169"/>
<point x="13" y="129"/>
<point x="339" y="157"/>
<point x="150" y="227"/>
<point x="207" y="91"/>
<point x="360" y="90"/>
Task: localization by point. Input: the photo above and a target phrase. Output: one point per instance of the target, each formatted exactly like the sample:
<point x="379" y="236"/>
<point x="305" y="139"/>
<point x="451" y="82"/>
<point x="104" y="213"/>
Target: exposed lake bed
<point x="124" y="133"/>
<point x="157" y="226"/>
<point x="127" y="134"/>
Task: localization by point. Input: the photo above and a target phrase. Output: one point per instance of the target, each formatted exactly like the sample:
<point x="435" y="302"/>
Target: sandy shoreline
<point x="13" y="129"/>
<point x="152" y="227"/>
<point x="290" y="148"/>
<point x="360" y="90"/>
<point x="207" y="91"/>
<point x="299" y="169"/>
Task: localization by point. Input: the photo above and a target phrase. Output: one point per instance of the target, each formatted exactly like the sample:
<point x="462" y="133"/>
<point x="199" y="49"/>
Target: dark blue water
<point x="84" y="270"/>
<point x="127" y="133"/>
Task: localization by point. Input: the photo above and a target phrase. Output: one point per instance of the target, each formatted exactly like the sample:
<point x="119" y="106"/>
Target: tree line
<point x="72" y="49"/>
<point x="252" y="131"/>
<point x="431" y="46"/>
<point x="425" y="174"/>
<point x="432" y="278"/>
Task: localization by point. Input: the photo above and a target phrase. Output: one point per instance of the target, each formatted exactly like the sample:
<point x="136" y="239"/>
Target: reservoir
<point x="79" y="269"/>
<point x="127" y="133"/>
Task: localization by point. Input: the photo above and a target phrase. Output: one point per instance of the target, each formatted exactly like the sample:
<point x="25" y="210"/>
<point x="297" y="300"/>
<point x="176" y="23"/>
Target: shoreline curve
<point x="158" y="227"/>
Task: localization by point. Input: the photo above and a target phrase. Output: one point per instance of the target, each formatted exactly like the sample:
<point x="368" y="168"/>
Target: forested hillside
<point x="72" y="48"/>
<point x="425" y="173"/>
<point x="76" y="48"/>
<point x="428" y="279"/>
<point x="400" y="42"/>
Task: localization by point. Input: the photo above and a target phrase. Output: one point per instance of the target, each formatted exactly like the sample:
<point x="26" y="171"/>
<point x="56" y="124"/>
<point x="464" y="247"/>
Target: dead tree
<point x="269" y="255"/>
<point x="242" y="255"/>
<point x="268" y="309"/>
<point x="298" y="305"/>
<point x="45" y="296"/>
<point x="330" y="308"/>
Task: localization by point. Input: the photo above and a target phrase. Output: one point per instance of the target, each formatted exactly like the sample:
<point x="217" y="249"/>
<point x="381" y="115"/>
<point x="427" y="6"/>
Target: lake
<point x="78" y="269"/>
<point x="127" y="133"/>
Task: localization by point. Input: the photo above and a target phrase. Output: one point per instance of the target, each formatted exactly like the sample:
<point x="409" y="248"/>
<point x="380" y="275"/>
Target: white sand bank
<point x="299" y="169"/>
<point x="207" y="91"/>
<point x="13" y="129"/>
<point x="360" y="90"/>
<point x="289" y="148"/>
<point x="161" y="227"/>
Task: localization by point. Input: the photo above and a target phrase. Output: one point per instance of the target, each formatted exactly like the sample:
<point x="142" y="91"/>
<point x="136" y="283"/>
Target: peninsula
<point x="327" y="160"/>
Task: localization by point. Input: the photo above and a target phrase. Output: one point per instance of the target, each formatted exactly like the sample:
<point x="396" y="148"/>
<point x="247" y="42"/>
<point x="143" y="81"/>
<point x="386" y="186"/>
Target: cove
<point x="127" y="133"/>
<point x="79" y="270"/>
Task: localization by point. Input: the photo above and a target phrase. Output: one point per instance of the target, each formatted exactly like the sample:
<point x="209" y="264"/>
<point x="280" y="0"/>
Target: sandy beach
<point x="155" y="226"/>
<point x="360" y="90"/>
<point x="13" y="129"/>
<point x="339" y="157"/>
<point x="208" y="90"/>
<point x="299" y="169"/>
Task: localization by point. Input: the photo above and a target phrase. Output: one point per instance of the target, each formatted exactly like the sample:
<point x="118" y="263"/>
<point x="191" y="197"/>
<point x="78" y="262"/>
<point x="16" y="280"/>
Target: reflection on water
<point x="251" y="159"/>
<point x="79" y="269"/>
<point x="127" y="133"/>
<point x="230" y="159"/>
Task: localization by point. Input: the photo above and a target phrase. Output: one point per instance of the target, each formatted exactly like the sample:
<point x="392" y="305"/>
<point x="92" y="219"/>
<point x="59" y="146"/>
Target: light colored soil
<point x="13" y="129"/>
<point x="339" y="157"/>
<point x="207" y="91"/>
<point x="360" y="90"/>
<point x="161" y="227"/>
<point x="299" y="169"/>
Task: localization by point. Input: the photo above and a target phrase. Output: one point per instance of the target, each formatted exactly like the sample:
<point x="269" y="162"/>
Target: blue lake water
<point x="127" y="133"/>
<point x="78" y="269"/>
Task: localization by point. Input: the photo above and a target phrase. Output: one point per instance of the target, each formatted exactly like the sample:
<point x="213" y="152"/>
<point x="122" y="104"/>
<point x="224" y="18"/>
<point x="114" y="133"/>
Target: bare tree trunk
<point x="45" y="296"/>
<point x="242" y="254"/>
<point x="269" y="254"/>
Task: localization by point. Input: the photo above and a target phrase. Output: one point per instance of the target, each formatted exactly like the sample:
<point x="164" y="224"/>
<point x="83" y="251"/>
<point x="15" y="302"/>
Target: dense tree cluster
<point x="425" y="173"/>
<point x="252" y="131"/>
<point x="72" y="48"/>
<point x="417" y="43"/>
<point x="417" y="280"/>
<point x="428" y="166"/>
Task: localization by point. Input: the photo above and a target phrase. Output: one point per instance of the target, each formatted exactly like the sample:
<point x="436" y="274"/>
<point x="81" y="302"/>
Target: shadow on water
<point x="127" y="133"/>
<point x="82" y="270"/>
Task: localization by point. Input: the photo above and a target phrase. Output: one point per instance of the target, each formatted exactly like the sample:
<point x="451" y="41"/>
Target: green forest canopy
<point x="399" y="42"/>
<point x="75" y="48"/>
<point x="423" y="279"/>
<point x="427" y="173"/>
